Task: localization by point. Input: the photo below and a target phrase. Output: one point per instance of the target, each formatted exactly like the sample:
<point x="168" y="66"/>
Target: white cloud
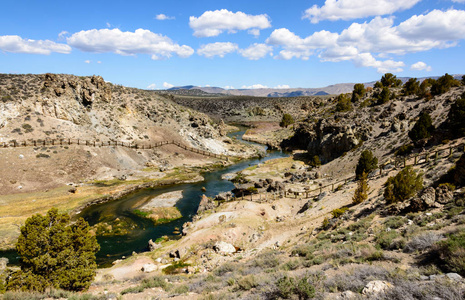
<point x="128" y="43"/>
<point x="254" y="86"/>
<point x="87" y="61"/>
<point x="62" y="35"/>
<point x="99" y="62"/>
<point x="283" y="86"/>
<point x="367" y="60"/>
<point x="163" y="17"/>
<point x="217" y="49"/>
<point x="228" y="87"/>
<point x="256" y="51"/>
<point x="421" y="66"/>
<point x="213" y="23"/>
<point x="108" y="25"/>
<point x="151" y="86"/>
<point x="167" y="85"/>
<point x="334" y="10"/>
<point x="16" y="44"/>
<point x="458" y="1"/>
<point x="362" y="42"/>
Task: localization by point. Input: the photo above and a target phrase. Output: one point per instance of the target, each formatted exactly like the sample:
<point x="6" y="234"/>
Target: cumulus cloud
<point x="334" y="10"/>
<point x="229" y="87"/>
<point x="362" y="42"/>
<point x="282" y="86"/>
<point x="217" y="49"/>
<point x="256" y="51"/>
<point x="213" y="23"/>
<point x="151" y="86"/>
<point x="87" y="61"/>
<point x="163" y="17"/>
<point x="167" y="85"/>
<point x="141" y="41"/>
<point x="421" y="66"/>
<point x="16" y="44"/>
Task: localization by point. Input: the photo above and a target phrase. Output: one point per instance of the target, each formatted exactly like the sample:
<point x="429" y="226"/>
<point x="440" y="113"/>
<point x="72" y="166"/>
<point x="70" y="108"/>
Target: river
<point x="142" y="230"/>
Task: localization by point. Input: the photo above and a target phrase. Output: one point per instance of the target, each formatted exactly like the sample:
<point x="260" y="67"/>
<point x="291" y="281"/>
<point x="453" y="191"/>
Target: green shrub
<point x="286" y="120"/>
<point x="403" y="186"/>
<point x="247" y="283"/>
<point x="443" y="84"/>
<point x="336" y="213"/>
<point x="390" y="80"/>
<point x="366" y="163"/>
<point x="423" y="128"/>
<point x="390" y="240"/>
<point x="358" y="92"/>
<point x="315" y="162"/>
<point x="456" y="117"/>
<point x="343" y="103"/>
<point x="452" y="252"/>
<point x="285" y="286"/>
<point x="361" y="193"/>
<point x="55" y="253"/>
<point x="411" y="87"/>
<point x="384" y="96"/>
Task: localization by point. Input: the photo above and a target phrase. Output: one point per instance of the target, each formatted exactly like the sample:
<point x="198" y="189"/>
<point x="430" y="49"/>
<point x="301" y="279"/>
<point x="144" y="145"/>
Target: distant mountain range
<point x="334" y="89"/>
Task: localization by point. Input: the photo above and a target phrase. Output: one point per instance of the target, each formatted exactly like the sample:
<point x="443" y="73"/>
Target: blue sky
<point x="236" y="44"/>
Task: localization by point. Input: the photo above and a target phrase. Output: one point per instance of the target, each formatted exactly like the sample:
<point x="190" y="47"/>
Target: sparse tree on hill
<point x="403" y="186"/>
<point x="424" y="90"/>
<point x="358" y="92"/>
<point x="411" y="87"/>
<point x="390" y="80"/>
<point x="384" y="96"/>
<point x="456" y="117"/>
<point x="286" y="120"/>
<point x="343" y="103"/>
<point x="443" y="84"/>
<point x="366" y="163"/>
<point x="422" y="129"/>
<point x="361" y="193"/>
<point x="55" y="254"/>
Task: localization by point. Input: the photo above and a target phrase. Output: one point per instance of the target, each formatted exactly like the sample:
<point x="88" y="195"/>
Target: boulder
<point x="224" y="248"/>
<point x="443" y="194"/>
<point x="429" y="197"/>
<point x="347" y="295"/>
<point x="376" y="287"/>
<point x="3" y="263"/>
<point x="147" y="268"/>
<point x="153" y="246"/>
<point x="454" y="276"/>
<point x="206" y="203"/>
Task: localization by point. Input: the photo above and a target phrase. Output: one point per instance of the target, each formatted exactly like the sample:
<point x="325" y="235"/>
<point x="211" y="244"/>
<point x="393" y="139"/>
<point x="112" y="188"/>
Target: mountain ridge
<point x="333" y="89"/>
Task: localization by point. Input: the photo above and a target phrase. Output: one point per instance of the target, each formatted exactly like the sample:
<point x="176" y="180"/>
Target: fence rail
<point x="62" y="142"/>
<point x="410" y="160"/>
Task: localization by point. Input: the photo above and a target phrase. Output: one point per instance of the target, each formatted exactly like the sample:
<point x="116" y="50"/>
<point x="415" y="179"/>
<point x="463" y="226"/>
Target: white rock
<point x="147" y="268"/>
<point x="375" y="287"/>
<point x="224" y="248"/>
<point x="21" y="156"/>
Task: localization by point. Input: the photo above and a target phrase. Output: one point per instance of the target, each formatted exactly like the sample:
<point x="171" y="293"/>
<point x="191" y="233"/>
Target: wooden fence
<point x="410" y="160"/>
<point x="62" y="142"/>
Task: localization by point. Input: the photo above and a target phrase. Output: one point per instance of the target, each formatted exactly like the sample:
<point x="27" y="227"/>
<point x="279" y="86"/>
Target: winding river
<point x="141" y="230"/>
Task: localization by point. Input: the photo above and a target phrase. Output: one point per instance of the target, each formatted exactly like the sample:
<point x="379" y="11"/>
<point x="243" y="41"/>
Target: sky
<point x="234" y="44"/>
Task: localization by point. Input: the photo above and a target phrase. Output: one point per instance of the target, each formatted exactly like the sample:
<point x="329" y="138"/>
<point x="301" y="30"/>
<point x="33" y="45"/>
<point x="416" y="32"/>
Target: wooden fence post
<point x="415" y="163"/>
<point x="427" y="157"/>
<point x="450" y="151"/>
<point x="405" y="162"/>
<point x="436" y="156"/>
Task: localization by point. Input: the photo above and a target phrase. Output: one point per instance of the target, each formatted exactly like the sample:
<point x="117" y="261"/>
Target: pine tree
<point x="361" y="193"/>
<point x="403" y="186"/>
<point x="366" y="163"/>
<point x="54" y="253"/>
